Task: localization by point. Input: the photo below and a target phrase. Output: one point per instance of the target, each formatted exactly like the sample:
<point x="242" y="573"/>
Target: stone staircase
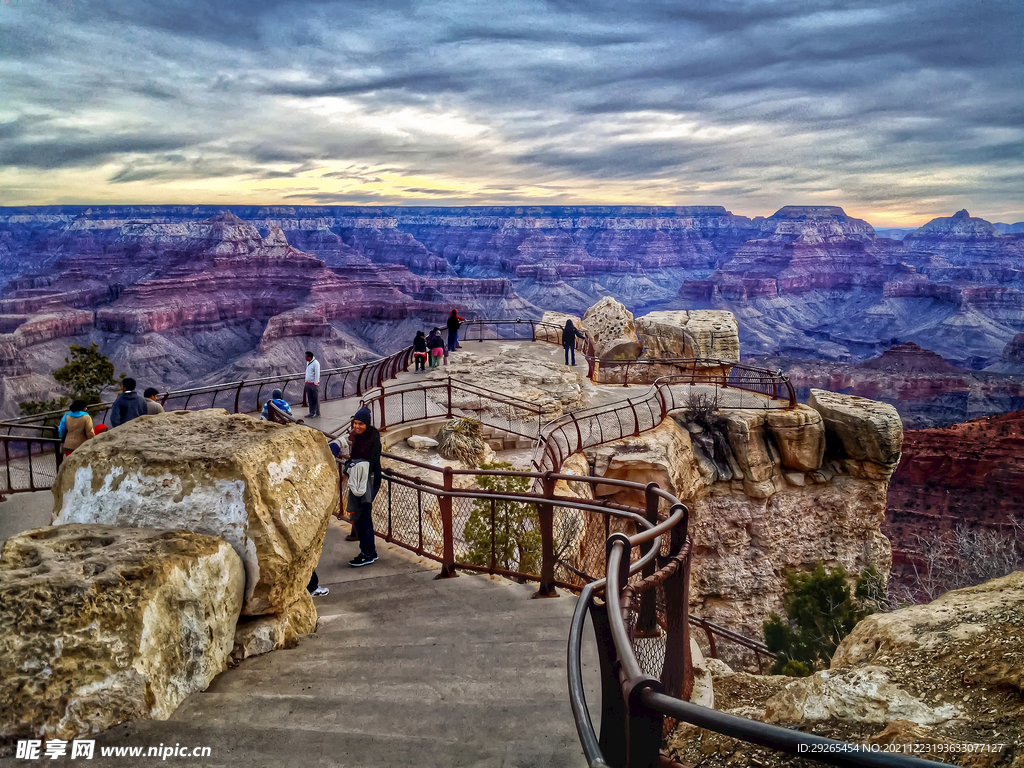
<point x="499" y="440"/>
<point x="404" y="670"/>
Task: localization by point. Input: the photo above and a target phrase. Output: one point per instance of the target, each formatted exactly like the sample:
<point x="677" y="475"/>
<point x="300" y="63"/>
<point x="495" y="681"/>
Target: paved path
<point x="404" y="670"/>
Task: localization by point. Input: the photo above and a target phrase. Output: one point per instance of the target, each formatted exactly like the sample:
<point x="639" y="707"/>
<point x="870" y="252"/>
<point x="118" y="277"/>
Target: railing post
<point x="238" y="394"/>
<point x="449" y="395"/>
<point x="613" y="706"/>
<point x="546" y="518"/>
<point x="383" y="409"/>
<point x="647" y="620"/>
<point x="677" y="674"/>
<point x="643" y="724"/>
<point x="447" y="529"/>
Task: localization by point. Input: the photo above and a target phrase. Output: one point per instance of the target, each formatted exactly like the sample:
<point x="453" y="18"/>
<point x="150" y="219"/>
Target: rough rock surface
<point x="866" y="430"/>
<point x="744" y="546"/>
<point x="557" y="318"/>
<point x="663" y="455"/>
<point x="256" y="635"/>
<point x="99" y="625"/>
<point x="267" y="489"/>
<point x="945" y="676"/>
<point x="799" y="434"/>
<point x="612" y="330"/>
<point x="697" y="333"/>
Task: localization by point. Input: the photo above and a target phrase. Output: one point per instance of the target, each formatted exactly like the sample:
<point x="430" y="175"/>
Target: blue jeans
<point x="453" y="340"/>
<point x="570" y="351"/>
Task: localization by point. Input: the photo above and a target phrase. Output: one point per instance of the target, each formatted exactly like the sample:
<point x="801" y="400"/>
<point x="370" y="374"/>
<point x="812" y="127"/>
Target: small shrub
<point x="701" y="407"/>
<point x="517" y="542"/>
<point x="460" y="440"/>
<point x="820" y="612"/>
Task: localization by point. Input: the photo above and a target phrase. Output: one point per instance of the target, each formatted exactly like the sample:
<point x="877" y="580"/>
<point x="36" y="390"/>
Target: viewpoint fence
<point x="578" y="430"/>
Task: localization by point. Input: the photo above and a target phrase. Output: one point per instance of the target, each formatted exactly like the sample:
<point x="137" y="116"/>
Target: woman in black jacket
<point x="365" y="446"/>
<point x="569" y="336"/>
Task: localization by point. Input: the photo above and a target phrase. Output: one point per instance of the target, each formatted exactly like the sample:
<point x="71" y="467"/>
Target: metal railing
<point x="437" y="399"/>
<point x="638" y="694"/>
<point x="30" y="463"/>
<point x="578" y="430"/>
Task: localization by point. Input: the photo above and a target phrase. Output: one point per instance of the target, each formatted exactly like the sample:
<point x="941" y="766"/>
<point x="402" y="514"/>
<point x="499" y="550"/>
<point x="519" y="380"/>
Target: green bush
<point x="820" y="612"/>
<point x="85" y="375"/>
<point x="517" y="543"/>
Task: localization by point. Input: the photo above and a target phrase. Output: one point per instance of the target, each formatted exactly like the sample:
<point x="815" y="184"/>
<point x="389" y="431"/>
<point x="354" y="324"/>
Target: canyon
<point x="185" y="295"/>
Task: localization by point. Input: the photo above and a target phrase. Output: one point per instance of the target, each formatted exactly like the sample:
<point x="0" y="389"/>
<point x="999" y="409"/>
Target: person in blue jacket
<point x="277" y="398"/>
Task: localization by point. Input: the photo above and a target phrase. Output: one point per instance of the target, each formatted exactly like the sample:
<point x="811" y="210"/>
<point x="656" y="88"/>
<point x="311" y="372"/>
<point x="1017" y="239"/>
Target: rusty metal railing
<point x="639" y="695"/>
<point x="578" y="430"/>
<point x="30" y="463"/>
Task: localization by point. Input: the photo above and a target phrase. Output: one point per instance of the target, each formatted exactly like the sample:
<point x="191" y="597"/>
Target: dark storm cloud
<point x="747" y="97"/>
<point x="70" y="152"/>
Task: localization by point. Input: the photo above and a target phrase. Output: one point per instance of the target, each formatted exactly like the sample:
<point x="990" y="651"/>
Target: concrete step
<point x="404" y="670"/>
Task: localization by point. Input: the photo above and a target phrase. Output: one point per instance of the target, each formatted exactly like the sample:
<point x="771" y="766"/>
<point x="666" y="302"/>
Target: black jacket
<point x="368" y="446"/>
<point x="569" y="339"/>
<point x="419" y="344"/>
<point x="128" y="406"/>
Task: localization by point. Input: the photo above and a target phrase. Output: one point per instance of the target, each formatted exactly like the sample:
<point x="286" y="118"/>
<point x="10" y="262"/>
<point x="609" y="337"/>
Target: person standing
<point x="454" y="323"/>
<point x="75" y="427"/>
<point x="153" y="406"/>
<point x="569" y="336"/>
<point x="312" y="387"/>
<point x="436" y="346"/>
<point x="364" y="479"/>
<point x="129" y="404"/>
<point x="419" y="351"/>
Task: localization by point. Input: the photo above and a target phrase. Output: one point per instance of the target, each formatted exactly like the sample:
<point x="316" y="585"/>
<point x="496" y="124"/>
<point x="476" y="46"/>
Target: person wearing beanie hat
<point x="365" y="447"/>
<point x="277" y="398"/>
<point x="454" y="323"/>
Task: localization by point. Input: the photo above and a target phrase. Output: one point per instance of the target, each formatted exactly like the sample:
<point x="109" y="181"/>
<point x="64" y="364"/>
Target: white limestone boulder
<point x="100" y="625"/>
<point x="612" y="330"/>
<point x="799" y="434"/>
<point x="698" y="333"/>
<point x="549" y="334"/>
<point x="266" y="489"/>
<point x="865" y="430"/>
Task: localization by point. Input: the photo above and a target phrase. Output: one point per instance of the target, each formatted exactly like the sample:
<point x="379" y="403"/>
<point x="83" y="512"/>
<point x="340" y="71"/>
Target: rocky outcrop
<point x="942" y="680"/>
<point x="100" y="625"/>
<point x="956" y="659"/>
<point x="744" y="546"/>
<point x="612" y="330"/>
<point x="267" y="489"/>
<point x="691" y="334"/>
<point x="863" y="430"/>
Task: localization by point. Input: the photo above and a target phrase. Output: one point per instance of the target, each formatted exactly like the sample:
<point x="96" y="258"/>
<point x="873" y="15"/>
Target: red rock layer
<point x="965" y="474"/>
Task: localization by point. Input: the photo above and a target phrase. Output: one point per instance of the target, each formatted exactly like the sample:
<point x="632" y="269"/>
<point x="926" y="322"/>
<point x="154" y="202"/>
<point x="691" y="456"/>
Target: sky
<point x="897" y="111"/>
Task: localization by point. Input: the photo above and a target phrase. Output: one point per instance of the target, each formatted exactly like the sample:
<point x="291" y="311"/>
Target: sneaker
<point x="360" y="560"/>
<point x="320" y="592"/>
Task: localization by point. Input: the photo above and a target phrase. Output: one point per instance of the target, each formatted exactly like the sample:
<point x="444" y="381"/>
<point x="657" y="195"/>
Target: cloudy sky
<point x="898" y="111"/>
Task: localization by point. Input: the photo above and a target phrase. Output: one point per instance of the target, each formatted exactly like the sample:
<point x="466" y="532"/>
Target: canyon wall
<point x="186" y="294"/>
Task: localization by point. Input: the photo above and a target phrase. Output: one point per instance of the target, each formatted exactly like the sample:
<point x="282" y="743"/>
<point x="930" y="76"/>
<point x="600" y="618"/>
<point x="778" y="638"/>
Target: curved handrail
<point x="634" y="703"/>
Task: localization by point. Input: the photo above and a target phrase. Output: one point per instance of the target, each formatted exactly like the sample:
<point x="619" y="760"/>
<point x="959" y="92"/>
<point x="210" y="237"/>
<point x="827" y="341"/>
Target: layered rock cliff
<point x="967" y="474"/>
<point x="807" y="282"/>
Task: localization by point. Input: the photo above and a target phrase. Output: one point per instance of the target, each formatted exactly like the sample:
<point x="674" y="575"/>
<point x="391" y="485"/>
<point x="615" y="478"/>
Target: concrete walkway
<point x="404" y="670"/>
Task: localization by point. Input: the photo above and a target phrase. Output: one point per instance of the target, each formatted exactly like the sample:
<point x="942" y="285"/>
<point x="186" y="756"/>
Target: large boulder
<point x="799" y="434"/>
<point x="862" y="430"/>
<point x="663" y="455"/>
<point x="546" y="333"/>
<point x="612" y="330"/>
<point x="697" y="333"/>
<point x="757" y="457"/>
<point x="99" y="625"/>
<point x="266" y="489"/>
